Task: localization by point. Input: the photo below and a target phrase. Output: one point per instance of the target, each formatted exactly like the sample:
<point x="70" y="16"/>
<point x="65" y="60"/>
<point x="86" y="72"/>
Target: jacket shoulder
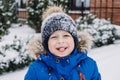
<point x="37" y="71"/>
<point x="39" y="65"/>
<point x="89" y="63"/>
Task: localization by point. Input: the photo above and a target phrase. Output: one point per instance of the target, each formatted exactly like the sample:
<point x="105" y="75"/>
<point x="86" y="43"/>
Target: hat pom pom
<point x="50" y="10"/>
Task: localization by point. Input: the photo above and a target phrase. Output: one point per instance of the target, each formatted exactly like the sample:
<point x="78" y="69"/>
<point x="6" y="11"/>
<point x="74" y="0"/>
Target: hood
<point x="35" y="44"/>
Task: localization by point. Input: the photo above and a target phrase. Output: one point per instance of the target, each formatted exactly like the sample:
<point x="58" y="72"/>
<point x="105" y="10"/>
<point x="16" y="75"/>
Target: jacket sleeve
<point x="89" y="69"/>
<point x="31" y="74"/>
<point x="96" y="75"/>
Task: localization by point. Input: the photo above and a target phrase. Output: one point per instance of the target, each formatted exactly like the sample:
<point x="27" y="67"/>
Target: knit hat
<point x="55" y="19"/>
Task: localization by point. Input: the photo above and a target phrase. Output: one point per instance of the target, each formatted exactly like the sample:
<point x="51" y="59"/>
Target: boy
<point x="65" y="52"/>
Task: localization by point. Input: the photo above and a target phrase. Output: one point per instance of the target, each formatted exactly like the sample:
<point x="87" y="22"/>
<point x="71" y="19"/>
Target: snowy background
<point x="107" y="57"/>
<point x="14" y="58"/>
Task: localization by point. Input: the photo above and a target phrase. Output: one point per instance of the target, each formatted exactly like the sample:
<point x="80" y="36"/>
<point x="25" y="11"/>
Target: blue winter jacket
<point x="50" y="67"/>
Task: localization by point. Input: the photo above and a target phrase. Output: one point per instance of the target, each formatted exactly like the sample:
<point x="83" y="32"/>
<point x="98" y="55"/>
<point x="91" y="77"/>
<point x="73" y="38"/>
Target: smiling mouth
<point x="62" y="49"/>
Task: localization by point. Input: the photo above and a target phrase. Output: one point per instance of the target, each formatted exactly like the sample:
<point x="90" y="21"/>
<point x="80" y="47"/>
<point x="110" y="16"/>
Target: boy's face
<point x="61" y="43"/>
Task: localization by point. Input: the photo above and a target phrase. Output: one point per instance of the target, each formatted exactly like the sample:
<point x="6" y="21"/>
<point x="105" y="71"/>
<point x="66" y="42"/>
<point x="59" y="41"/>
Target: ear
<point x="85" y="41"/>
<point x="35" y="47"/>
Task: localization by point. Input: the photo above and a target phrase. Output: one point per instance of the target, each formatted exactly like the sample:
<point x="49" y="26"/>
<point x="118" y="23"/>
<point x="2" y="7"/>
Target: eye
<point x="66" y="35"/>
<point x="53" y="37"/>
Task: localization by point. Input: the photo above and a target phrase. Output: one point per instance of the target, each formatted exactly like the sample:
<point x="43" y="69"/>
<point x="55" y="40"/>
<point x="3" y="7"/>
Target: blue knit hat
<point x="57" y="21"/>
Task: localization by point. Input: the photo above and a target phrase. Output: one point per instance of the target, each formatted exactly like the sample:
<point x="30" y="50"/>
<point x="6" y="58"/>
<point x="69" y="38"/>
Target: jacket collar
<point x="74" y="57"/>
<point x="64" y="65"/>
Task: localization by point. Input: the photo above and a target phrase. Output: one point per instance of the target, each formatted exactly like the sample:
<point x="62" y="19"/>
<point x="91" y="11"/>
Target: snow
<point x="107" y="57"/>
<point x="17" y="75"/>
<point x="22" y="32"/>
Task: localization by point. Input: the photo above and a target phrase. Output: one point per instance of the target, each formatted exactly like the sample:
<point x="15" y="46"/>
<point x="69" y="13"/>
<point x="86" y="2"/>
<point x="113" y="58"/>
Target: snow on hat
<point x="55" y="19"/>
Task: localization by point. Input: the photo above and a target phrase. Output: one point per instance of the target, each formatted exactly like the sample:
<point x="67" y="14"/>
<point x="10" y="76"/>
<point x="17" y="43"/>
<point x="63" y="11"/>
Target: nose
<point x="61" y="40"/>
